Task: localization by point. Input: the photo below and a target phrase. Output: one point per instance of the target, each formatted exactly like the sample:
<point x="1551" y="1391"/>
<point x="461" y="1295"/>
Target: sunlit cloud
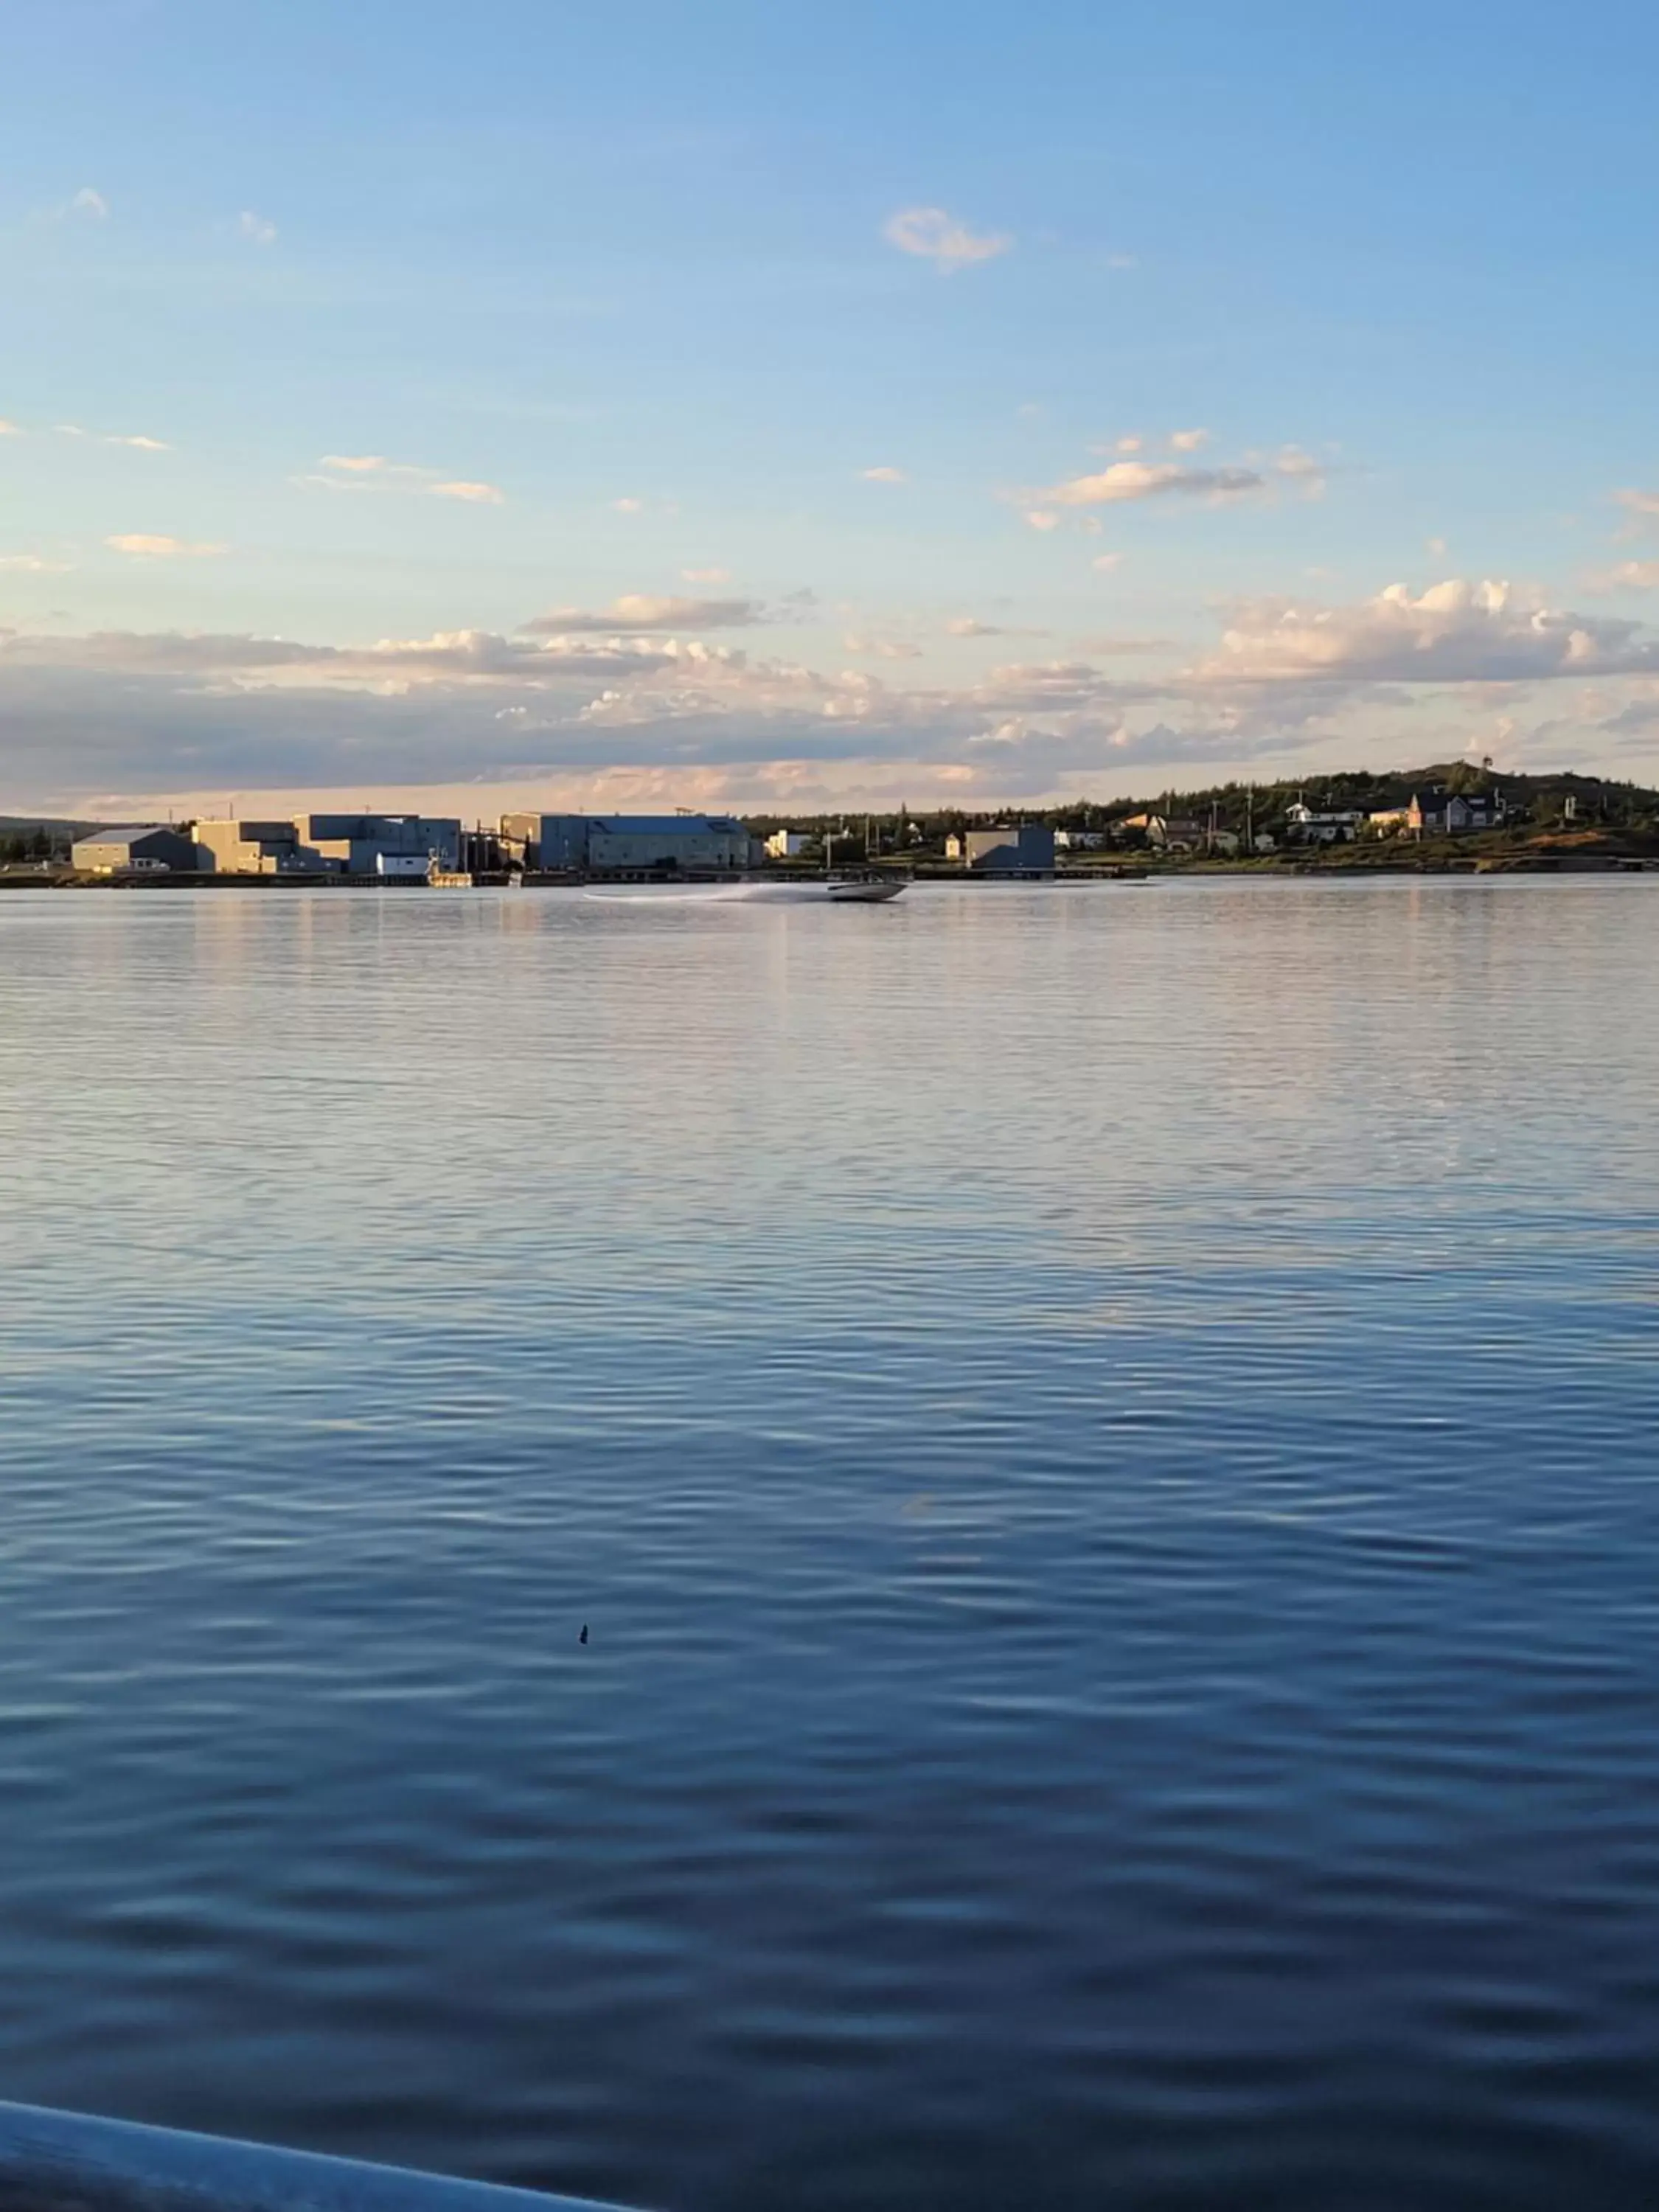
<point x="970" y="626"/>
<point x="707" y="575"/>
<point x="32" y="564"/>
<point x="256" y="228"/>
<point x="138" y="442"/>
<point x="639" y="611"/>
<point x="1188" y="441"/>
<point x="374" y="472"/>
<point x="886" y="476"/>
<point x="1041" y="518"/>
<point x="932" y="235"/>
<point x="155" y="548"/>
<point x="1457" y="631"/>
<point x="1127" y="481"/>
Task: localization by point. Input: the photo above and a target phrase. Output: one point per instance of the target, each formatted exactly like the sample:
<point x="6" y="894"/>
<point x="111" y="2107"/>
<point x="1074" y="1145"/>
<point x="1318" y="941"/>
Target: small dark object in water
<point x="582" y="1638"/>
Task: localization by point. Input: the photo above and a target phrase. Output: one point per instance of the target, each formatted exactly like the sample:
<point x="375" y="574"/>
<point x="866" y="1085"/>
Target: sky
<point x="785" y="408"/>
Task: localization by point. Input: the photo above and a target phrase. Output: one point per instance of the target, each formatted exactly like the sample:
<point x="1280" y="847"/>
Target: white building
<point x="1309" y="826"/>
<point x="788" y="844"/>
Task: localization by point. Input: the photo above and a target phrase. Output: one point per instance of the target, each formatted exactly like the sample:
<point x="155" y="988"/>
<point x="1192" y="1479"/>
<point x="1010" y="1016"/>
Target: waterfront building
<point x="255" y="848"/>
<point x="1014" y="849"/>
<point x="139" y="845"/>
<point x="390" y="846"/>
<point x="630" y="844"/>
<point x="789" y="844"/>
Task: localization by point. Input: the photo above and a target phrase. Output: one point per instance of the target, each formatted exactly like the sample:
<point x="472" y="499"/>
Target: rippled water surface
<point x="1105" y="1440"/>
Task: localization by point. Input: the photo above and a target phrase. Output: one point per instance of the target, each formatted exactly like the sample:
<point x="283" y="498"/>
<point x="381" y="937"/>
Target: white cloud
<point x="32" y="564"/>
<point x="1639" y="502"/>
<point x="1138" y="480"/>
<point x="8" y="429"/>
<point x="162" y="548"/>
<point x="1630" y="576"/>
<point x="1042" y="517"/>
<point x="374" y="472"/>
<point x="139" y="443"/>
<point x="935" y="236"/>
<point x="1127" y="446"/>
<point x="885" y="476"/>
<point x="1290" y="461"/>
<point x="1457" y="632"/>
<point x="637" y="612"/>
<point x="881" y="648"/>
<point x="707" y="575"/>
<point x="256" y="228"/>
<point x="1188" y="441"/>
<point x="1105" y="562"/>
<point x="477" y="495"/>
<point x="970" y="626"/>
<point x="628" y="506"/>
<point x="1436" y="546"/>
<point x="88" y="202"/>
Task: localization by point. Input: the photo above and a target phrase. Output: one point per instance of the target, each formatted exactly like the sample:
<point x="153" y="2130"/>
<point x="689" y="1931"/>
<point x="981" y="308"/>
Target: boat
<point x="862" y="890"/>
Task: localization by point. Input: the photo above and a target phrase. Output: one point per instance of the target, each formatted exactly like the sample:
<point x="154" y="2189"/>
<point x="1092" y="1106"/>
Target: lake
<point x="1105" y="1442"/>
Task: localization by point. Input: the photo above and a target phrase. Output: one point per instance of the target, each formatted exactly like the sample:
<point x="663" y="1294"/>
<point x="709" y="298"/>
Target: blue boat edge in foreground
<point x="66" y="2162"/>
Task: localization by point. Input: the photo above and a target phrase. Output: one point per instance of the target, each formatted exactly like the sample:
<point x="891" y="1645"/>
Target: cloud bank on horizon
<point x="409" y="478"/>
<point x="627" y="701"/>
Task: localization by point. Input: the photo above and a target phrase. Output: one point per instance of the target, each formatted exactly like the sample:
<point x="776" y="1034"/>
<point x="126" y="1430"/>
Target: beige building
<point x="255" y="848"/>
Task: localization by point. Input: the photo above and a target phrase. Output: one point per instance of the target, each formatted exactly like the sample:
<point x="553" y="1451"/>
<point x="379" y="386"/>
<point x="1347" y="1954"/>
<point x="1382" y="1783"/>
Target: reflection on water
<point x="1105" y="1439"/>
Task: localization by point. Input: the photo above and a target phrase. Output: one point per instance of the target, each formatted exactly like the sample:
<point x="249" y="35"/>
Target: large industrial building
<point x="630" y="844"/>
<point x="255" y="848"/>
<point x="384" y="845"/>
<point x="139" y="847"/>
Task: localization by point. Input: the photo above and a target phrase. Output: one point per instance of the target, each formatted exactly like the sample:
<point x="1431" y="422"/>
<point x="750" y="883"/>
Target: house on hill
<point x="1169" y="833"/>
<point x="1309" y="825"/>
<point x="1438" y="813"/>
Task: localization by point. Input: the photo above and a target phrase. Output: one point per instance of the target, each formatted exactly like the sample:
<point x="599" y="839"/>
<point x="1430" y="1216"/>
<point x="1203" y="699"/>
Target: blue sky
<point x="775" y="406"/>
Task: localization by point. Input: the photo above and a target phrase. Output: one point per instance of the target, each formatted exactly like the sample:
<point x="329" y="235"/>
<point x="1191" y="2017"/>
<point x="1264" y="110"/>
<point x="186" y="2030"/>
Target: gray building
<point x="1025" y="849"/>
<point x="646" y="844"/>
<point x="141" y="846"/>
<point x="385" y="845"/>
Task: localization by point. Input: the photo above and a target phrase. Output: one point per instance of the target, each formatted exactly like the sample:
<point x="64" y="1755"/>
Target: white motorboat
<point x="862" y="890"/>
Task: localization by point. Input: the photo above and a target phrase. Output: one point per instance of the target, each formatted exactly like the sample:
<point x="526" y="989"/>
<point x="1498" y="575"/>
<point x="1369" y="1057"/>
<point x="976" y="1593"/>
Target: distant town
<point x="1454" y="817"/>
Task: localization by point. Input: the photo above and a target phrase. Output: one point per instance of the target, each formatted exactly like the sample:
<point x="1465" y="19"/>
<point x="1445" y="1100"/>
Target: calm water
<point x="1106" y="1441"/>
